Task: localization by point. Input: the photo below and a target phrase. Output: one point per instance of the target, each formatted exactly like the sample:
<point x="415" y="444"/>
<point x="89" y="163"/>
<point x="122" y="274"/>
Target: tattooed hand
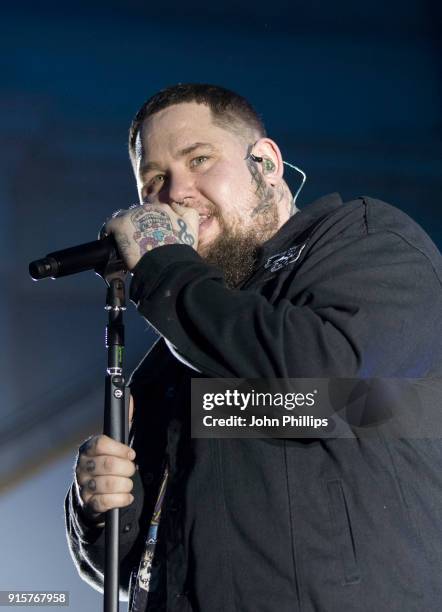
<point x="103" y="474"/>
<point x="146" y="227"/>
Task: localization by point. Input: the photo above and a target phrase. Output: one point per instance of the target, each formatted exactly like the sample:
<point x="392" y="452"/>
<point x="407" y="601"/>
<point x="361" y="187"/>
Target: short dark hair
<point x="229" y="110"/>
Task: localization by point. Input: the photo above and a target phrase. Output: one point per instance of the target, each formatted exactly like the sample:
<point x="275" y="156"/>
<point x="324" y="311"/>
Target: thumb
<point x="179" y="209"/>
<point x="188" y="214"/>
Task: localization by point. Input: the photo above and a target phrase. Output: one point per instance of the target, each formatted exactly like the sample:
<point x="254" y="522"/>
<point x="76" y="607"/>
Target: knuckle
<point x="99" y="444"/>
<point x="85" y="447"/>
<point x="81" y="481"/>
<point x="98" y="503"/>
<point x="118" y="213"/>
<point x="110" y="224"/>
<point x="80" y="475"/>
<point x="83" y="495"/>
<point x="108" y="485"/>
<point x="109" y="464"/>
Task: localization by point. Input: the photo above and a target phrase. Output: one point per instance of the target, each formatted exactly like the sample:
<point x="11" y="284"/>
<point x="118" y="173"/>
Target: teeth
<point x="204" y="217"/>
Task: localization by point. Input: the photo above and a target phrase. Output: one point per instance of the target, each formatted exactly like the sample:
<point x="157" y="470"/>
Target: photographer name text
<point x="287" y="420"/>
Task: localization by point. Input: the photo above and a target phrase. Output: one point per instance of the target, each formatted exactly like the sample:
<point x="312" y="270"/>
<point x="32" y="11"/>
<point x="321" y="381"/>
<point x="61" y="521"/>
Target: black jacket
<point x="298" y="525"/>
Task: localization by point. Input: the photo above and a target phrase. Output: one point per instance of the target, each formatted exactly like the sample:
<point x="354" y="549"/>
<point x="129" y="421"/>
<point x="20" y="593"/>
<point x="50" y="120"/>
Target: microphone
<point x="88" y="256"/>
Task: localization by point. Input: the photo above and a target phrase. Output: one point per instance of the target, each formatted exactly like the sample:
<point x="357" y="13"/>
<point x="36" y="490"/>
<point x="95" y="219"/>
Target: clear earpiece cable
<point x="304" y="178"/>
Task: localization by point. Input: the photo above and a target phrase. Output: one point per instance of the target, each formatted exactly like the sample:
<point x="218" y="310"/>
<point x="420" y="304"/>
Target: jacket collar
<point x="299" y="224"/>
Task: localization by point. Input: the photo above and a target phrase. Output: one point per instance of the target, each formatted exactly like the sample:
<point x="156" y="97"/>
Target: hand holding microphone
<point x="128" y="235"/>
<point x="149" y="226"/>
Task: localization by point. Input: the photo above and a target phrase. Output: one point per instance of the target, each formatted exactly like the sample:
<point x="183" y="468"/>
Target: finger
<point x="104" y="502"/>
<point x="186" y="212"/>
<point x="104" y="485"/>
<point x="116" y="222"/>
<point x="103" y="445"/>
<point x="147" y="204"/>
<point x="179" y="209"/>
<point x="118" y="213"/>
<point x="104" y="465"/>
<point x="155" y="205"/>
<point x="191" y="216"/>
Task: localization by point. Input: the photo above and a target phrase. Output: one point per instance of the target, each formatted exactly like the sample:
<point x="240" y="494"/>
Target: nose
<point x="180" y="185"/>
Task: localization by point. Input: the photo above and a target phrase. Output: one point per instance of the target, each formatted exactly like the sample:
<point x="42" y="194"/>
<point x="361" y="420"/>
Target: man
<point x="239" y="283"/>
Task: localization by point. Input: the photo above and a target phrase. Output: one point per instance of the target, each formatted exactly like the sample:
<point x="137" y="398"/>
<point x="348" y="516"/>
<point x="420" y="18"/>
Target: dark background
<point x="351" y="91"/>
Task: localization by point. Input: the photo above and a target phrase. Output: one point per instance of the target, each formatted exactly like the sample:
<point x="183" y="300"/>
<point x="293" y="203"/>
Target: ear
<point x="271" y="167"/>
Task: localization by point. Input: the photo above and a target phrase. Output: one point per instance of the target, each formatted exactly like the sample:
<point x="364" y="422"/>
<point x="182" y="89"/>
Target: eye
<point x="197" y="161"/>
<point x="159" y="178"/>
<point x="154" y="184"/>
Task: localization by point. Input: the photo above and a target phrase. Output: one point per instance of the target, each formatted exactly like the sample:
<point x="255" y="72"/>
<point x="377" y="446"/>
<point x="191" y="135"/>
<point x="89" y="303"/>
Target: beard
<point x="235" y="250"/>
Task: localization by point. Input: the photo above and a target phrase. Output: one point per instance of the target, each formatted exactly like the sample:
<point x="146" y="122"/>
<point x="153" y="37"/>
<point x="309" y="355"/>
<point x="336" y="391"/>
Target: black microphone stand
<point x="116" y="405"/>
<point x="116" y="396"/>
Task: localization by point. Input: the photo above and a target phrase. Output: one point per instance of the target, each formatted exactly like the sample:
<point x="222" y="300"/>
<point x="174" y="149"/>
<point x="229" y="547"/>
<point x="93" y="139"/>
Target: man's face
<point x="183" y="157"/>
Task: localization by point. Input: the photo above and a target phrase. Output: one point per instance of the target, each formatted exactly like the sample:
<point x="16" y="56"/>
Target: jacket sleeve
<point x="362" y="303"/>
<point x="86" y="540"/>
